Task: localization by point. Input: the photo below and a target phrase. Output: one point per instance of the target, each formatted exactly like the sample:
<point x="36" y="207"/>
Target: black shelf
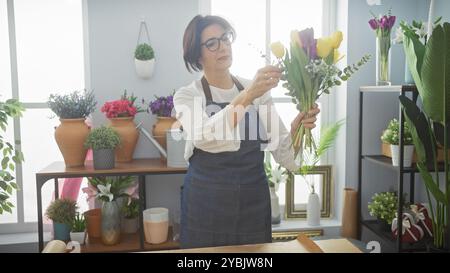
<point x="372" y="225"/>
<point x="387" y="163"/>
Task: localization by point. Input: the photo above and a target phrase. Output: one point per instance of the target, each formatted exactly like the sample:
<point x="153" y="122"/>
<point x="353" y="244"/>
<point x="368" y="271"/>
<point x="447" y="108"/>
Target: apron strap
<point x="207" y="90"/>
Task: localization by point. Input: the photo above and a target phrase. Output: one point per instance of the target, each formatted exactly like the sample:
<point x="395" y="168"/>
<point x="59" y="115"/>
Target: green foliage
<point x="104" y="137"/>
<point x="384" y="206"/>
<point x="111" y="188"/>
<point x="74" y="105"/>
<point x="10" y="156"/>
<point x="131" y="210"/>
<point x="62" y="211"/>
<point x="79" y="223"/>
<point x="144" y="52"/>
<point x="392" y="133"/>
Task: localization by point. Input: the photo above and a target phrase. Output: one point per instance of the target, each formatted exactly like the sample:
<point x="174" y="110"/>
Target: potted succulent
<point x="162" y="107"/>
<point x="144" y="60"/>
<point x="103" y="141"/>
<point x="130" y="213"/>
<point x="72" y="110"/>
<point x="384" y="206"/>
<point x="62" y="212"/>
<point x="121" y="115"/>
<point x="391" y="136"/>
<point x="78" y="228"/>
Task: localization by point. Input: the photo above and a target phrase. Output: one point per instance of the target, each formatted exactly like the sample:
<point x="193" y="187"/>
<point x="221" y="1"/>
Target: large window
<point x="49" y="58"/>
<point x="257" y="24"/>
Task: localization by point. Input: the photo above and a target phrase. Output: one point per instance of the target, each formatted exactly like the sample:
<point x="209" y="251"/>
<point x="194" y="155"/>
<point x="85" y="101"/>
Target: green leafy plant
<point x="430" y="68"/>
<point x="108" y="189"/>
<point x="103" y="137"/>
<point x="74" y="105"/>
<point x="144" y="52"/>
<point x="384" y="206"/>
<point x="392" y="133"/>
<point x="62" y="211"/>
<point x="79" y="223"/>
<point x="11" y="156"/>
<point x="131" y="210"/>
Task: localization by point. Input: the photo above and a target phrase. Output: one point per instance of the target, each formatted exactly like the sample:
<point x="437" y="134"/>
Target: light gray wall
<point x="113" y="31"/>
<point x="442" y="9"/>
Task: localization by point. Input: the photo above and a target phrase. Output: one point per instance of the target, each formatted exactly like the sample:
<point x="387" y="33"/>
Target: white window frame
<point x="328" y="27"/>
<point x="21" y="226"/>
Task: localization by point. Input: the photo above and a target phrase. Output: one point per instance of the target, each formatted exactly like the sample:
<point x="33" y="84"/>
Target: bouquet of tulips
<point x="310" y="70"/>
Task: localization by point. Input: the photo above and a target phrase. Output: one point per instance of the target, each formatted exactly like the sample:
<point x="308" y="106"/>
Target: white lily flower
<point x="278" y="177"/>
<point x="398" y="36"/>
<point x="105" y="191"/>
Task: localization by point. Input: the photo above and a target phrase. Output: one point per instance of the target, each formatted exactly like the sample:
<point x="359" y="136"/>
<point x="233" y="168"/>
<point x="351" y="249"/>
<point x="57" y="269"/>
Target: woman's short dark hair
<point x="192" y="38"/>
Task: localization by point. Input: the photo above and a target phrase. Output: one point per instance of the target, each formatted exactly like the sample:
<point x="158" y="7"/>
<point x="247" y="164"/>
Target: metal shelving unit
<point x="386" y="162"/>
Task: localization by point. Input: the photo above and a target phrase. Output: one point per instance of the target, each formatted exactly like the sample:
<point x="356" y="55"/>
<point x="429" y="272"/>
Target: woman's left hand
<point x="308" y="120"/>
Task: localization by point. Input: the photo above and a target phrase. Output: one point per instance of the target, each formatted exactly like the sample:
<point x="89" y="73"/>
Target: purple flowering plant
<point x="161" y="106"/>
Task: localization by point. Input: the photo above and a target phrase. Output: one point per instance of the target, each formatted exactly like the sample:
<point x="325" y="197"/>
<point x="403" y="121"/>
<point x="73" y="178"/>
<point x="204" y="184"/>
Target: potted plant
<point x="78" y="228"/>
<point x="11" y="156"/>
<point x="109" y="190"/>
<point x="144" y="60"/>
<point x="162" y="107"/>
<point x="275" y="176"/>
<point x="130" y="213"/>
<point x="72" y="110"/>
<point x="103" y="141"/>
<point x="121" y="115"/>
<point x="383" y="207"/>
<point x="430" y="123"/>
<point x="391" y="137"/>
<point x="62" y="212"/>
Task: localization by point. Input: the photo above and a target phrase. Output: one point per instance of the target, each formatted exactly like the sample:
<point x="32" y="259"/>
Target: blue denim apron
<point x="225" y="198"/>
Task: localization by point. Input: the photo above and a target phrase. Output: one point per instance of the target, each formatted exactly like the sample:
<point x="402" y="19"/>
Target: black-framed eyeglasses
<point x="213" y="44"/>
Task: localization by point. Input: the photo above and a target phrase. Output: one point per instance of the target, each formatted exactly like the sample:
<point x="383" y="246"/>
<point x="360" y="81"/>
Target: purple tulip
<point x="373" y="24"/>
<point x="391" y="21"/>
<point x="384" y="22"/>
<point x="313" y="50"/>
<point x="307" y="37"/>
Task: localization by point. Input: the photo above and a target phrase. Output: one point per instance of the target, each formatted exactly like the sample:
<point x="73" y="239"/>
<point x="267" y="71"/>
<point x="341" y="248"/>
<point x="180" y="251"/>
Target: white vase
<point x="407" y="155"/>
<point x="313" y="210"/>
<point x="275" y="207"/>
<point x="144" y="69"/>
<point x="77" y="236"/>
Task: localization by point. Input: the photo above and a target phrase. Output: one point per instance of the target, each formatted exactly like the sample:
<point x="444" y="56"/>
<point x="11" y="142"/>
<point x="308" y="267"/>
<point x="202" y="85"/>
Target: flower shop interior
<point x="78" y="175"/>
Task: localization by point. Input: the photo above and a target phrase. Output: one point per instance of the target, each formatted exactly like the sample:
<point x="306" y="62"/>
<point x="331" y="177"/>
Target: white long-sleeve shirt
<point x="215" y="134"/>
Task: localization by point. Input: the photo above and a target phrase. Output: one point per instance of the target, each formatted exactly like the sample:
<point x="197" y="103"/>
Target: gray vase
<point x="104" y="159"/>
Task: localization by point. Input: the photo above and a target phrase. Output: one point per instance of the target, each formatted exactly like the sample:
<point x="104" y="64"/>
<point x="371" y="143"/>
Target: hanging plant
<point x="144" y="56"/>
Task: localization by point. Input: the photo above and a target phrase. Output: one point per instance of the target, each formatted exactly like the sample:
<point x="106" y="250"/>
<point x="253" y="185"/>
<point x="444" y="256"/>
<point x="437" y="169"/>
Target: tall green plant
<point x="430" y="67"/>
<point x="10" y="156"/>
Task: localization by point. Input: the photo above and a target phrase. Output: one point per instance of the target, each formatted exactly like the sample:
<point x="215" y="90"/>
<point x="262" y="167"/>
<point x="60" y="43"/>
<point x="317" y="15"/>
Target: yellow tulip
<point x="324" y="47"/>
<point x="277" y="49"/>
<point x="337" y="56"/>
<point x="337" y="39"/>
<point x="295" y="38"/>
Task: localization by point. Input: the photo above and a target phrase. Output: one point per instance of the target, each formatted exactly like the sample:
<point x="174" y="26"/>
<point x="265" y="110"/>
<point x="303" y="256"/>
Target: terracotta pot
<point x="160" y="127"/>
<point x="94" y="223"/>
<point x="70" y="136"/>
<point x="129" y="136"/>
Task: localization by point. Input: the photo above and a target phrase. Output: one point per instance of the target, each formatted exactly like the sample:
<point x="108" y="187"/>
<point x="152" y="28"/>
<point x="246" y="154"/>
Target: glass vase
<point x="110" y="223"/>
<point x="383" y="60"/>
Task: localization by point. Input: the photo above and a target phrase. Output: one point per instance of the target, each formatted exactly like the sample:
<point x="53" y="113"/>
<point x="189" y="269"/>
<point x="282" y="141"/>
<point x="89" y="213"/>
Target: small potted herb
<point x="144" y="60"/>
<point x="78" y="228"/>
<point x="72" y="110"/>
<point x="392" y="136"/>
<point x="62" y="212"/>
<point x="103" y="141"/>
<point x="130" y="213"/>
<point x="384" y="206"/>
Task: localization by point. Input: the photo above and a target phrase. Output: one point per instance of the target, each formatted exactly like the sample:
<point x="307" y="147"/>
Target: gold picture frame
<point x="295" y="211"/>
<point x="283" y="236"/>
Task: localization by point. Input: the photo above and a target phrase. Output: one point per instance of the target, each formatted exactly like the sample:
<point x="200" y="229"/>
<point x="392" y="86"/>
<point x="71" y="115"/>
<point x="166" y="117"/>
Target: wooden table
<point x="138" y="167"/>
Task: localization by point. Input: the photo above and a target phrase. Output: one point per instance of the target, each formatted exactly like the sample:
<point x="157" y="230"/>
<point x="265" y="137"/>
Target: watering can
<point x="175" y="146"/>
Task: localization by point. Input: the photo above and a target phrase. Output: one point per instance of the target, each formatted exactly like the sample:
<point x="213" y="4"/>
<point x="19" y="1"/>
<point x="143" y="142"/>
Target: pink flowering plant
<point x="125" y="107"/>
<point x="108" y="189"/>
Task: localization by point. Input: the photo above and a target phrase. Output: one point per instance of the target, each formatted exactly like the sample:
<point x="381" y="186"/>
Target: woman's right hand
<point x="265" y="79"/>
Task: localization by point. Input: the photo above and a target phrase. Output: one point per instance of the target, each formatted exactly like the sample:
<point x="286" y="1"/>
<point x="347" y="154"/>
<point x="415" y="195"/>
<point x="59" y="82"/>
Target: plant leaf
<point x="430" y="184"/>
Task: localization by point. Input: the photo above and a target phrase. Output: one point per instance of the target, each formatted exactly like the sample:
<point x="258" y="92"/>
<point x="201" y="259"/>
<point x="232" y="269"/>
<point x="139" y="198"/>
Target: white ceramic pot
<point x="77" y="236"/>
<point x="407" y="155"/>
<point x="313" y="210"/>
<point x="156" y="225"/>
<point x="275" y="207"/>
<point x="144" y="69"/>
